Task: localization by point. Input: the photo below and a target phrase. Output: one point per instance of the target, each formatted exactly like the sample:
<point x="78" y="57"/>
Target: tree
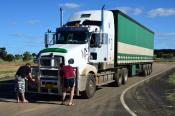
<point x="17" y="56"/>
<point x="3" y="53"/>
<point x="34" y="55"/>
<point x="27" y="56"/>
<point x="9" y="57"/>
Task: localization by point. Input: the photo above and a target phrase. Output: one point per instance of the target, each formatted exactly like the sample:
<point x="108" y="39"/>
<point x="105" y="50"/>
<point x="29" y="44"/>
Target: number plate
<point x="49" y="86"/>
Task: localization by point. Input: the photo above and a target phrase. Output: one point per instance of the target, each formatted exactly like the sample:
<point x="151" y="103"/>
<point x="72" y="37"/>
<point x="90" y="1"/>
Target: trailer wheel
<point x="118" y="78"/>
<point x="150" y="68"/>
<point x="90" y="87"/>
<point x="145" y="70"/>
<point x="124" y="75"/>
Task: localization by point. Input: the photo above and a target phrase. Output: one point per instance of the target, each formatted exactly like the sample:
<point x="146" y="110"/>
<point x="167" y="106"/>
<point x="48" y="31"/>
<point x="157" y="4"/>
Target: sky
<point x="23" y="23"/>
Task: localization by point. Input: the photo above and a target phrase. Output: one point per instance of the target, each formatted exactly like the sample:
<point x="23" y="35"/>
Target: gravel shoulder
<point x="150" y="98"/>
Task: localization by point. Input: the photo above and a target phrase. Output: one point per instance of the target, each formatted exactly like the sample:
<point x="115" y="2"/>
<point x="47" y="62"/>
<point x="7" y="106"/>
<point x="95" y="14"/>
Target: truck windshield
<point x="72" y="37"/>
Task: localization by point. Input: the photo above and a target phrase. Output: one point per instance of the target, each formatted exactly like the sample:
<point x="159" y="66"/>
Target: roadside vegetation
<point x="164" y="55"/>
<point x="9" y="62"/>
<point x="172" y="79"/>
<point x="171" y="94"/>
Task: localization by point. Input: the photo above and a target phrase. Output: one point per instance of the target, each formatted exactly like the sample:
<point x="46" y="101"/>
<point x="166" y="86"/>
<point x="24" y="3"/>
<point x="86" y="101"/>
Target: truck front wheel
<point x="90" y="86"/>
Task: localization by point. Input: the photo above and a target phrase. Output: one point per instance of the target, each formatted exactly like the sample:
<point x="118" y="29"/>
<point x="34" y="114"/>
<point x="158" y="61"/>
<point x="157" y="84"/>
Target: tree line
<point x="26" y="56"/>
<point x="164" y="53"/>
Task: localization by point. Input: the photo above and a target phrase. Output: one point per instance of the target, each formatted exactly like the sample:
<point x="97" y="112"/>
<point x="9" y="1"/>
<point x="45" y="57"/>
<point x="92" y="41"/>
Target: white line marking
<point x="124" y="92"/>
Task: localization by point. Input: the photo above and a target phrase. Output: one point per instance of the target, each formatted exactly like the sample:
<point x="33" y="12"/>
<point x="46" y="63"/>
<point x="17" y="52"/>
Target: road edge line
<point x="124" y="92"/>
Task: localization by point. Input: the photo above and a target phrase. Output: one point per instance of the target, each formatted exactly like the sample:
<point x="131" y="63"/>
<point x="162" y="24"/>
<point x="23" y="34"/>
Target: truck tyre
<point x="124" y="75"/>
<point x="118" y="78"/>
<point x="150" y="69"/>
<point x="145" y="70"/>
<point x="90" y="87"/>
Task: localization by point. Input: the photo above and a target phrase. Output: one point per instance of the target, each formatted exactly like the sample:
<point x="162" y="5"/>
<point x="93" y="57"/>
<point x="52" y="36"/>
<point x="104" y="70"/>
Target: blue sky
<point x="24" y="22"/>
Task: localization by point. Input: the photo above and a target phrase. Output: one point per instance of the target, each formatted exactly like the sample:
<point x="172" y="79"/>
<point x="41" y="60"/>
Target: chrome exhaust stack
<point x="61" y="16"/>
<point x="102" y="18"/>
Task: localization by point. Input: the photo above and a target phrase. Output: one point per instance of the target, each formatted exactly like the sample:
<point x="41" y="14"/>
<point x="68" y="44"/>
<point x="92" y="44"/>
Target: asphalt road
<point x="150" y="97"/>
<point x="106" y="101"/>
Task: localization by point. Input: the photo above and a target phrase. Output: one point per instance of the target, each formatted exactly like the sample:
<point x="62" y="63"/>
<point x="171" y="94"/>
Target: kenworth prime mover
<point x="106" y="46"/>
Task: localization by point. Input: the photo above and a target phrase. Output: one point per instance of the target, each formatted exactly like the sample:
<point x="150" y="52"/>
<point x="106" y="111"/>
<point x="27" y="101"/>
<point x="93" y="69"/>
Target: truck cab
<point x="87" y="38"/>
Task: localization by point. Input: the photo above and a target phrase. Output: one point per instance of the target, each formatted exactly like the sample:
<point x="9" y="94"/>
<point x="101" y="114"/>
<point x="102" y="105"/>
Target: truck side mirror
<point x="46" y="40"/>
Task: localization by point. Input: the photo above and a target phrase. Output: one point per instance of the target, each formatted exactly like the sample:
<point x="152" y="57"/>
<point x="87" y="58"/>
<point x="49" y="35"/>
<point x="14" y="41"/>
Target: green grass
<point x="171" y="95"/>
<point x="7" y="73"/>
<point x="8" y="69"/>
<point x="172" y="79"/>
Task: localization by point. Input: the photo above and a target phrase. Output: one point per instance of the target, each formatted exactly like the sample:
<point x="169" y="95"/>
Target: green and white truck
<point x="106" y="45"/>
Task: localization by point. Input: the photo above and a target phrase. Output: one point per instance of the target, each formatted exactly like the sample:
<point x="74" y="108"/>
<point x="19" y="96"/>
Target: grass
<point x="8" y="69"/>
<point x="7" y="72"/>
<point x="171" y="95"/>
<point x="172" y="79"/>
<point x="7" y="75"/>
<point x="16" y="62"/>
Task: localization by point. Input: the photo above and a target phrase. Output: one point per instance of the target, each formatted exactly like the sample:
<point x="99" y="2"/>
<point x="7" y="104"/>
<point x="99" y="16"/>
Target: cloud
<point x="13" y="23"/>
<point x="170" y="35"/>
<point x="69" y="5"/>
<point x="137" y="11"/>
<point x="124" y="9"/>
<point x="33" y="22"/>
<point x="25" y="36"/>
<point x="161" y="12"/>
<point x="134" y="11"/>
<point x="17" y="34"/>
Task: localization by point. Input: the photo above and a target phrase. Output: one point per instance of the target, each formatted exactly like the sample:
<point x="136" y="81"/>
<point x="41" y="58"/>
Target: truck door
<point x="99" y="47"/>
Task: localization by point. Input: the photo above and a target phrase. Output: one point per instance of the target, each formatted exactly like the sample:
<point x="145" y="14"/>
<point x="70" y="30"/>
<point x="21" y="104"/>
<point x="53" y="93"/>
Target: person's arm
<point x="30" y="77"/>
<point x="61" y="72"/>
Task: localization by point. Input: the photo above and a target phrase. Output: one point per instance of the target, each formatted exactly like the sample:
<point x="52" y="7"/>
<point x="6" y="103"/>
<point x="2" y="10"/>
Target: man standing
<point x="22" y="73"/>
<point x="68" y="74"/>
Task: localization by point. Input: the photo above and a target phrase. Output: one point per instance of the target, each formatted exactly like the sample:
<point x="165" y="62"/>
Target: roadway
<point x="106" y="101"/>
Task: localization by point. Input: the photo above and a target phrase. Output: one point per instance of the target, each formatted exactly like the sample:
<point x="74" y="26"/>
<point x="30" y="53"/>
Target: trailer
<point x="107" y="46"/>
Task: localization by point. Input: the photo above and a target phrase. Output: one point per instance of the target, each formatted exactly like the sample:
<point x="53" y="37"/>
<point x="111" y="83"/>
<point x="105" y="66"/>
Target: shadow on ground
<point x="8" y="94"/>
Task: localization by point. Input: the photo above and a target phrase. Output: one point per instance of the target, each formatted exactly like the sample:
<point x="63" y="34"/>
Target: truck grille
<point x="45" y="62"/>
